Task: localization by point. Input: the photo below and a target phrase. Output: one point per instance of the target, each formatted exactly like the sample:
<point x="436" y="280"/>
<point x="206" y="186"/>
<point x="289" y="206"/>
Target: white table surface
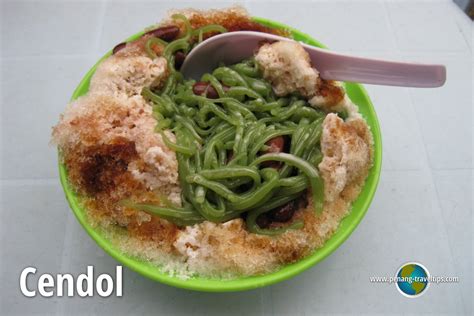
<point x="422" y="210"/>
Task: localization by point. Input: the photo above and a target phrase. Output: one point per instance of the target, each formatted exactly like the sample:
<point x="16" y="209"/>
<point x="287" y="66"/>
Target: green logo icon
<point x="412" y="279"/>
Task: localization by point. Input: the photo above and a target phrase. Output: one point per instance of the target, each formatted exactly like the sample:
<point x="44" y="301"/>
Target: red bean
<point x="283" y="213"/>
<point x="166" y="33"/>
<point x="280" y="214"/>
<point x="276" y="145"/>
<point x="263" y="221"/>
<point x="205" y="89"/>
<point x="199" y="88"/>
<point x="118" y="47"/>
<point x="179" y="57"/>
<point x="211" y="92"/>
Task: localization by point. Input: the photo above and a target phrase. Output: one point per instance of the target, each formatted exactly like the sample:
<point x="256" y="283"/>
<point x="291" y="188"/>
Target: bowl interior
<point x="357" y="94"/>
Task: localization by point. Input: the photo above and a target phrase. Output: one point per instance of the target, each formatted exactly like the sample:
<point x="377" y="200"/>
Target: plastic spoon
<point x="233" y="47"/>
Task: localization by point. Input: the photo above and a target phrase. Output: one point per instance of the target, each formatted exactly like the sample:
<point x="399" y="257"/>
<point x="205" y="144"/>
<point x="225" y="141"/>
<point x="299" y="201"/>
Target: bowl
<point x="357" y="94"/>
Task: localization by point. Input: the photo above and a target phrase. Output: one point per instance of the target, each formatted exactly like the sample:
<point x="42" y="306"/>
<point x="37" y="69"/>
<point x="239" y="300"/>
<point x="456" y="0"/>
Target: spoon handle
<point x="335" y="66"/>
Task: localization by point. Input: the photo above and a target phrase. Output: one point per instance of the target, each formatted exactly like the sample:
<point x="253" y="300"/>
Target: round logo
<point x="412" y="279"/>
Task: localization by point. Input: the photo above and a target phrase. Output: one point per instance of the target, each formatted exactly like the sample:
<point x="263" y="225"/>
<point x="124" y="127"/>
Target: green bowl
<point x="357" y="94"/>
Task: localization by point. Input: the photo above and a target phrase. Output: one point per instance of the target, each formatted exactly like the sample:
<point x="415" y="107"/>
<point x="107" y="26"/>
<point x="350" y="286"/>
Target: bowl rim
<point x="247" y="283"/>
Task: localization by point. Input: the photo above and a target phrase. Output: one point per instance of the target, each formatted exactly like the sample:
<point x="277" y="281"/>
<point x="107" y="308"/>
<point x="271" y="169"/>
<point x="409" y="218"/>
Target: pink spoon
<point x="233" y="47"/>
